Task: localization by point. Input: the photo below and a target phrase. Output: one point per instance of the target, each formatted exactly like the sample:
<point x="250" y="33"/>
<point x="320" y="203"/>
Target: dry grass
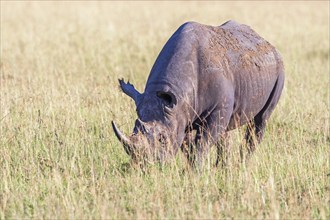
<point x="60" y="159"/>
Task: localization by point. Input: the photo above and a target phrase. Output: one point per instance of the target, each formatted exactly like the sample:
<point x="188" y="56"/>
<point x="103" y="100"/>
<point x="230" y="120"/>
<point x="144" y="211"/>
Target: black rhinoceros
<point x="205" y="82"/>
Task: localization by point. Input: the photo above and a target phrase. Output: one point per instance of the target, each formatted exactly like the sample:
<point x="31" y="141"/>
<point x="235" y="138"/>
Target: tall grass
<point x="60" y="159"/>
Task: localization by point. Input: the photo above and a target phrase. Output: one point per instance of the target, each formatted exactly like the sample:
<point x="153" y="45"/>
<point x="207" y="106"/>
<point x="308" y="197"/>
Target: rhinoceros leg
<point x="195" y="148"/>
<point x="223" y="151"/>
<point x="207" y="134"/>
<point x="188" y="144"/>
<point x="192" y="146"/>
<point x="256" y="128"/>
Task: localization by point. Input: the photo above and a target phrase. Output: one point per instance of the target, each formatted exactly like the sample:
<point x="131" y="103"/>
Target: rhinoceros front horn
<point x="128" y="145"/>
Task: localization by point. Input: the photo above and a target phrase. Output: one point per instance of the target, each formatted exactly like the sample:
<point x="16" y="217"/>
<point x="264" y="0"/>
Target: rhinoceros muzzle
<point x="145" y="142"/>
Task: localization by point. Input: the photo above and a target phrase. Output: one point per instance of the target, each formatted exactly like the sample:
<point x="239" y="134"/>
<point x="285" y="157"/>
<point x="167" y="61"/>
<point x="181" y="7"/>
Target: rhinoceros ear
<point x="168" y="98"/>
<point x="129" y="90"/>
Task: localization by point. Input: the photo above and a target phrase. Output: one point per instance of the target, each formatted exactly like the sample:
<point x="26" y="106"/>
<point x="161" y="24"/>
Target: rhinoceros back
<point x="197" y="56"/>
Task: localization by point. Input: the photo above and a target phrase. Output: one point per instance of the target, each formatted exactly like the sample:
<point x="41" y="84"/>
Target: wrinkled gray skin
<point x="205" y="82"/>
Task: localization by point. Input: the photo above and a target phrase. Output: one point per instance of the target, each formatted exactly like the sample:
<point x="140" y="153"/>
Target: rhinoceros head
<point x="159" y="129"/>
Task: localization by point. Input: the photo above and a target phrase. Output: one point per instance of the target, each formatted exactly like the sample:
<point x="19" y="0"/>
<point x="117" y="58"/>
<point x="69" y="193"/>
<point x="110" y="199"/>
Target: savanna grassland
<point x="59" y="157"/>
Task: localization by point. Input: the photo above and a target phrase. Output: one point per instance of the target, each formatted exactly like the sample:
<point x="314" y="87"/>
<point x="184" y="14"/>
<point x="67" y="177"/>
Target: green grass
<point x="59" y="92"/>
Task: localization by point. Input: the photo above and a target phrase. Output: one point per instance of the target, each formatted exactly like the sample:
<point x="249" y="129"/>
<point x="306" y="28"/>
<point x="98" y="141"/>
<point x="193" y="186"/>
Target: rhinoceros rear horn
<point x="128" y="145"/>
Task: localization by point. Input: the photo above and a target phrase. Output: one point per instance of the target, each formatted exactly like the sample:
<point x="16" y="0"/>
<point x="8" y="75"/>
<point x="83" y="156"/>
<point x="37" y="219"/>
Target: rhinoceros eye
<point x="167" y="98"/>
